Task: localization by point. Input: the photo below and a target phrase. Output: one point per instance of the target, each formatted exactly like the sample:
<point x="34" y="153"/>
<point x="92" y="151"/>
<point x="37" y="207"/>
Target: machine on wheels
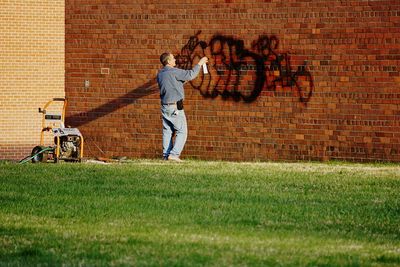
<point x="68" y="142"/>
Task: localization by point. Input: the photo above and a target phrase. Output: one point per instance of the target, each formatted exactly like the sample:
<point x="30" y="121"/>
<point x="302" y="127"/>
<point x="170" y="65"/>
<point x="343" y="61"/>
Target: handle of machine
<point x="43" y="110"/>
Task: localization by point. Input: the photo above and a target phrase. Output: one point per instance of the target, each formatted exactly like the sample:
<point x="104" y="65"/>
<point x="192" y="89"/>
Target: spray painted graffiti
<point x="241" y="74"/>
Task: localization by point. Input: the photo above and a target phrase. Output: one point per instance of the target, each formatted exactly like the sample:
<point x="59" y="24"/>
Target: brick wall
<point x="31" y="70"/>
<point x="289" y="80"/>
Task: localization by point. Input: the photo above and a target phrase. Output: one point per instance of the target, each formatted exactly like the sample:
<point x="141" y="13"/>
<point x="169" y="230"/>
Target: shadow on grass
<point x="23" y="247"/>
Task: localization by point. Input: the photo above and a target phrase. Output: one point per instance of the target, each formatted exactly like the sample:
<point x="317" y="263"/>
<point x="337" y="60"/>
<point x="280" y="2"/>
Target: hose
<point x="28" y="158"/>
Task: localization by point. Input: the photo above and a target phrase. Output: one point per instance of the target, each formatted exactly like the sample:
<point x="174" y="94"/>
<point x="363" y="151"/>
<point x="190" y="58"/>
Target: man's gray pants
<point x="174" y="122"/>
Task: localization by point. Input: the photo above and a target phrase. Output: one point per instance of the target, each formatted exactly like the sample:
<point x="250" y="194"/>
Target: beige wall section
<point x="32" y="69"/>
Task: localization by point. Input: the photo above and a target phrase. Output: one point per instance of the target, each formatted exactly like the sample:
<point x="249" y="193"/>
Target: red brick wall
<point x="289" y="80"/>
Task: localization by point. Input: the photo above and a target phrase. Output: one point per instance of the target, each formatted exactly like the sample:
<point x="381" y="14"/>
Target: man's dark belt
<point x="178" y="104"/>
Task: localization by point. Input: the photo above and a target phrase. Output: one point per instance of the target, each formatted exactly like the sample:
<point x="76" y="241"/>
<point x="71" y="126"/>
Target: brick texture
<point x="288" y="80"/>
<point x="32" y="70"/>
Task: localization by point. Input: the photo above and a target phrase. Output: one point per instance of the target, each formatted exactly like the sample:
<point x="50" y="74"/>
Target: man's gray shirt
<point x="170" y="81"/>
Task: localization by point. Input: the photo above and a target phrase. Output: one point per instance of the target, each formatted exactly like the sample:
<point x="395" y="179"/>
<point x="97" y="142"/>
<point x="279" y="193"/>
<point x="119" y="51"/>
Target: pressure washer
<point x="68" y="142"/>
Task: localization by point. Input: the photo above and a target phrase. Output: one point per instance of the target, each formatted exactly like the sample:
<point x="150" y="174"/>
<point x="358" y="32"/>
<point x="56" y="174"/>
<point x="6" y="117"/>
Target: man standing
<point x="170" y="81"/>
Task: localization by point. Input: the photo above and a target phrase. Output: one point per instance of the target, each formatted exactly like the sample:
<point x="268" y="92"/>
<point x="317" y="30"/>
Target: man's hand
<point x="203" y="61"/>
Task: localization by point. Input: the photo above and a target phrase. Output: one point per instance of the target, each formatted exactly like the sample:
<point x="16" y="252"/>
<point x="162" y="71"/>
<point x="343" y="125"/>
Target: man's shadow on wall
<point x="131" y="97"/>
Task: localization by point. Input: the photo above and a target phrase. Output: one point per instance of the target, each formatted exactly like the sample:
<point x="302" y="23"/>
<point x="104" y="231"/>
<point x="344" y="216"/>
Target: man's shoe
<point x="174" y="158"/>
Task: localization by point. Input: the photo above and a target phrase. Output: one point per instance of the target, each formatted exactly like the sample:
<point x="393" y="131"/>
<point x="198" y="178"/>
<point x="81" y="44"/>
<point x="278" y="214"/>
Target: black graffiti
<point x="241" y="74"/>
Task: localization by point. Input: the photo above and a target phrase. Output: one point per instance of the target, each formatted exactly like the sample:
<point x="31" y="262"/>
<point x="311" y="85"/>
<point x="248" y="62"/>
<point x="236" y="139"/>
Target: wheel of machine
<point x="41" y="157"/>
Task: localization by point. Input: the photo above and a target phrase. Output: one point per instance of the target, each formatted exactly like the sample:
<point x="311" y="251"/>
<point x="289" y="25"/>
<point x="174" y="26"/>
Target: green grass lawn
<point x="152" y="213"/>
